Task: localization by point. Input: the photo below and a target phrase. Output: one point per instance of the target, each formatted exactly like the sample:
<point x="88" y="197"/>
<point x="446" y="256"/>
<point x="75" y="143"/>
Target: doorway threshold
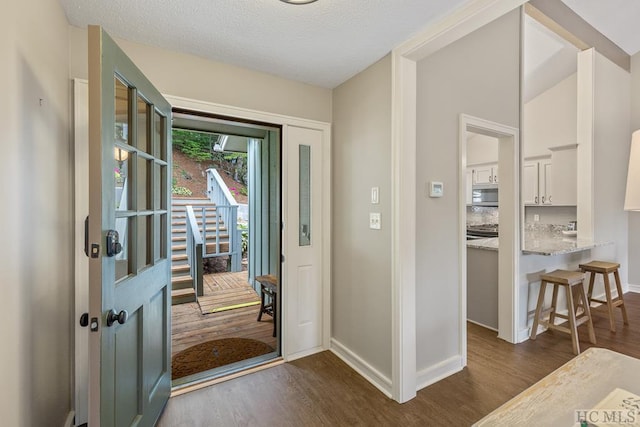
<point x="228" y="374"/>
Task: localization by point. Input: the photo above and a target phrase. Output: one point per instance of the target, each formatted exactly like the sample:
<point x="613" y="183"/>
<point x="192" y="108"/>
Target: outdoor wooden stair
<point x="182" y="289"/>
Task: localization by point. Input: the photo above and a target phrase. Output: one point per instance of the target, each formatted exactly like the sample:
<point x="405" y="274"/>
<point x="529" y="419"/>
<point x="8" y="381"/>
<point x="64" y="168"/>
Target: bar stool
<point x="268" y="287"/>
<point x="570" y="280"/>
<point x="604" y="268"/>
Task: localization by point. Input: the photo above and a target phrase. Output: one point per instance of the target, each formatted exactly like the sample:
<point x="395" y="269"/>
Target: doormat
<point x="213" y="354"/>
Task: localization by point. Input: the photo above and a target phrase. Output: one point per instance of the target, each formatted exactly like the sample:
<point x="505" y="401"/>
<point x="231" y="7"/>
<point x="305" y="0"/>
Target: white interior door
<point x="304" y="306"/>
<point x="129" y="236"/>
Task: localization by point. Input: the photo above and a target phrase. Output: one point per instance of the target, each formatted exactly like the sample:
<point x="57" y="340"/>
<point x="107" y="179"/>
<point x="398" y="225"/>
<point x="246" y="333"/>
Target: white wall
<point x="550" y="119"/>
<point x="612" y="141"/>
<point x="189" y="76"/>
<point x="477" y="75"/>
<point x="634" y="217"/>
<point x="36" y="256"/>
<point x="361" y="258"/>
<point x="481" y="149"/>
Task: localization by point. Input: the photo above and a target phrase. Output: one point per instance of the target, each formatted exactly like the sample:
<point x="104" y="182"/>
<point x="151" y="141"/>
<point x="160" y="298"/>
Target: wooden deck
<point x="189" y="326"/>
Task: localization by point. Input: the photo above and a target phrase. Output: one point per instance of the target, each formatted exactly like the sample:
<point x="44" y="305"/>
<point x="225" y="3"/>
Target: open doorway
<point x="226" y="211"/>
<point x="482" y="226"/>
<point x="504" y="249"/>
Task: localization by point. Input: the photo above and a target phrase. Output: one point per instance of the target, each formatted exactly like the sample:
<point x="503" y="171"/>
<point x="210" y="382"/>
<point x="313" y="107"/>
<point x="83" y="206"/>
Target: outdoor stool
<point x="268" y="287"/>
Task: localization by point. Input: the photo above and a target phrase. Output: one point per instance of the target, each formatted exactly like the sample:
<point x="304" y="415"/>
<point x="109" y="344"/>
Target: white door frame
<point x="509" y="213"/>
<point x="285" y="122"/>
<point x="463" y="21"/>
<point x="82" y="204"/>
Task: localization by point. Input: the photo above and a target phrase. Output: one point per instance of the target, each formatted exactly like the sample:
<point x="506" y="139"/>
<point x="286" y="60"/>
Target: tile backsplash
<point x="548" y="215"/>
<point x="477" y="215"/>
<point x="558" y="215"/>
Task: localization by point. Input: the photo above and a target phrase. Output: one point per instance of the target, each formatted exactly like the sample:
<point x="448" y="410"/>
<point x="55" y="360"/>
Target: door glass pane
<point x="145" y="241"/>
<point x="305" y="196"/>
<point x="159" y="123"/>
<point x="122" y="183"/>
<point x="163" y="236"/>
<point x="124" y="266"/>
<point x="122" y="112"/>
<point x="143" y="125"/>
<point x="143" y="186"/>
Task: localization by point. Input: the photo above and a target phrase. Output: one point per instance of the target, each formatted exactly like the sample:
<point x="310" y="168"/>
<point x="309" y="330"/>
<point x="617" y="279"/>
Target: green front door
<point x="129" y="269"/>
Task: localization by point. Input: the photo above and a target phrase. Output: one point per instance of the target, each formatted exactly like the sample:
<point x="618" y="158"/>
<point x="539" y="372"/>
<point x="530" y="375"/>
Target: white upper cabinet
<point x="545" y="182"/>
<point x="530" y="183"/>
<point x="486" y="174"/>
<point x="469" y="186"/>
<point x="564" y="176"/>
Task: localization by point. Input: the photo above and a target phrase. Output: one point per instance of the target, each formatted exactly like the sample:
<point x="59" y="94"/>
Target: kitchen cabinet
<point x="564" y="175"/>
<point x="530" y="183"/>
<point x="545" y="181"/>
<point x="536" y="182"/>
<point x="485" y="174"/>
<point x="551" y="181"/>
<point x="469" y="186"/>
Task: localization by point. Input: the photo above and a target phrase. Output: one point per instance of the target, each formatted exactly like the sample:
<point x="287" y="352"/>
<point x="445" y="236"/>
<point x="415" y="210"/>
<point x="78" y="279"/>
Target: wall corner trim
<point x="439" y="371"/>
<point x="371" y="374"/>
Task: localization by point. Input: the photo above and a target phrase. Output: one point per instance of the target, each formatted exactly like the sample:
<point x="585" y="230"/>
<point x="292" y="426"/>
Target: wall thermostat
<point x="436" y="189"/>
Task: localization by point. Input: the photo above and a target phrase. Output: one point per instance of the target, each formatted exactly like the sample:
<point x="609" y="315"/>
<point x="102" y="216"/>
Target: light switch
<point x="375" y="191"/>
<point x="374" y="220"/>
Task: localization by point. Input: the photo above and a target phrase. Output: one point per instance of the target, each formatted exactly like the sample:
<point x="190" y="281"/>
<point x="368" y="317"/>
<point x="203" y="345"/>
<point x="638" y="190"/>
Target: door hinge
<point x="282" y="258"/>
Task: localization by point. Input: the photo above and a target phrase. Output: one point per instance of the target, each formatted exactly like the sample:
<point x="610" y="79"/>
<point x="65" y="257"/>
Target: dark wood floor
<point x="321" y="390"/>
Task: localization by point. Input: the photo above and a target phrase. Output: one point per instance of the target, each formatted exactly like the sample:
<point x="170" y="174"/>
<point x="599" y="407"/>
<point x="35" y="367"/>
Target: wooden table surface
<point x="578" y="384"/>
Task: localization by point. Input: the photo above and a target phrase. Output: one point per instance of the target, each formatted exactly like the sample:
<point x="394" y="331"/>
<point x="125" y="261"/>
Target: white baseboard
<point x="634" y="288"/>
<point x="482" y="324"/>
<point x="70" y="421"/>
<point x="305" y="353"/>
<point x="435" y="373"/>
<point x="371" y="374"/>
<point x="523" y="335"/>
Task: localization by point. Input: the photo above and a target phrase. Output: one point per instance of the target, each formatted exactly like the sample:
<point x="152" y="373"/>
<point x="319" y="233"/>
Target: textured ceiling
<point x="322" y="43"/>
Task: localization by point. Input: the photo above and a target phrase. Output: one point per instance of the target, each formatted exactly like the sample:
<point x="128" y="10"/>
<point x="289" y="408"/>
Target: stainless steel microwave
<point x="484" y="195"/>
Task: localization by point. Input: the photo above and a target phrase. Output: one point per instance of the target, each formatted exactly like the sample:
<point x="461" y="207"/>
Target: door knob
<point x="113" y="316"/>
<point x="84" y="320"/>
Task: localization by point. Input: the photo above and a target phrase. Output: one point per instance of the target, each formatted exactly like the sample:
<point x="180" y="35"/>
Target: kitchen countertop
<point x="490" y="243"/>
<point x="555" y="243"/>
<point x="542" y="243"/>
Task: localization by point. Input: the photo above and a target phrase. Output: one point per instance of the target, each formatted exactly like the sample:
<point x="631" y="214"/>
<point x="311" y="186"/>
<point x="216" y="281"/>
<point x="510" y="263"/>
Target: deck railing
<point x="194" y="251"/>
<point x="227" y="211"/>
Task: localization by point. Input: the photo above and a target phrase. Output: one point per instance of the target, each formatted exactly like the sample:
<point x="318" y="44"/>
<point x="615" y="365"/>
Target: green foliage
<point x="181" y="191"/>
<point x="244" y="242"/>
<point x="244" y="191"/>
<point x="196" y="145"/>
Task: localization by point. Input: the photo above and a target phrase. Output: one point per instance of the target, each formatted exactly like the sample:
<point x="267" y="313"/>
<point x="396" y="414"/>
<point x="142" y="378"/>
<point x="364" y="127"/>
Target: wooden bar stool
<point x="268" y="287"/>
<point x="570" y="280"/>
<point x="604" y="268"/>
